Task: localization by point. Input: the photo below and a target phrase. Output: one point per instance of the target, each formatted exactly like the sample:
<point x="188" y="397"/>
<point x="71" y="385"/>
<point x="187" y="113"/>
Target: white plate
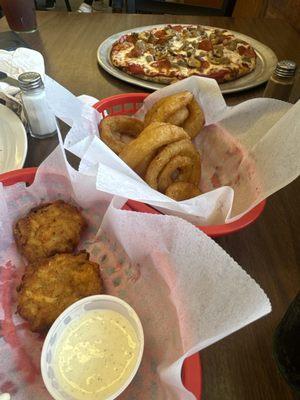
<point x="13" y="141"/>
<point x="266" y="63"/>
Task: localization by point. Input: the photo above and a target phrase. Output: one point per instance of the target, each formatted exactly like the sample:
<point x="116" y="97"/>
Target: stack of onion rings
<point x="160" y="149"/>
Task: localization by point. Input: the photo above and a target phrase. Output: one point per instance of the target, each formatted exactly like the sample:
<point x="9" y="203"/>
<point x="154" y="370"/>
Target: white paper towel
<point x="14" y="63"/>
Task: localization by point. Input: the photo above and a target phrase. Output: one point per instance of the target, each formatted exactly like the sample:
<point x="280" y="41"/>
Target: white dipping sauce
<point x="96" y="355"/>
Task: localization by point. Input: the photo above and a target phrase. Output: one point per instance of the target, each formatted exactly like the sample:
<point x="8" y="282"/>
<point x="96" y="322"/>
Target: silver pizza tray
<point x="266" y="62"/>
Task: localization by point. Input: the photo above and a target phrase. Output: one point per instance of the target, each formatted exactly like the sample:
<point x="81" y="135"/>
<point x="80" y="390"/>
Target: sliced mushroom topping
<point x="151" y="50"/>
<point x="140" y="45"/>
<point x="215" y="60"/>
<point x="213" y="38"/>
<point x="162" y="54"/>
<point x="232" y="45"/>
<point x="204" y="35"/>
<point x="149" y="58"/>
<point x="181" y="62"/>
<point x="202" y="53"/>
<point x="224" y="60"/>
<point x="188" y="46"/>
<point x="151" y="38"/>
<point x="200" y="29"/>
<point x="190" y="53"/>
<point x="134" y="53"/>
<point x="194" y="32"/>
<point x="218" y="51"/>
<point x="193" y="62"/>
<point x="144" y="35"/>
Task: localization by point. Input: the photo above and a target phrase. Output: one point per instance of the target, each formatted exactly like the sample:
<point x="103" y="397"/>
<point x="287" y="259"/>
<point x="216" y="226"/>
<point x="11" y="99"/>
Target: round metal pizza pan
<point x="266" y="62"/>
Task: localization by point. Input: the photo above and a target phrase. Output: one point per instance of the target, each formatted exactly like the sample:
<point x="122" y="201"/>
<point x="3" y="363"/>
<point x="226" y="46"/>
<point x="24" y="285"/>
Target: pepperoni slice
<point x="205" y="44"/>
<point x="129" y="38"/>
<point x="161" y="40"/>
<point x="160" y="33"/>
<point x="133" y="38"/>
<point x="135" y="53"/>
<point x="135" y="69"/>
<point x="241" y="50"/>
<point x="246" y="51"/>
<point x="164" y="64"/>
<point x="204" y="64"/>
<point x="250" y="52"/>
<point x="120" y="46"/>
<point x="177" y="28"/>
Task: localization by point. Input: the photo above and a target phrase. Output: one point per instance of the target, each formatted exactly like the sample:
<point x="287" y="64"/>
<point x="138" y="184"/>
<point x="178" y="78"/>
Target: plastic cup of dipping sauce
<point x="93" y="350"/>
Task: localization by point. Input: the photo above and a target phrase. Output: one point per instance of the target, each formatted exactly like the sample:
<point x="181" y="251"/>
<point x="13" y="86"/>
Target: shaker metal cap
<point x="285" y="68"/>
<point x="30" y="81"/>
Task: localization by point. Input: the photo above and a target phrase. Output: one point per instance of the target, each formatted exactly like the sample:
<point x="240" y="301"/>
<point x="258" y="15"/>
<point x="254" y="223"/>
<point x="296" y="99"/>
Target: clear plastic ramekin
<point x="76" y="310"/>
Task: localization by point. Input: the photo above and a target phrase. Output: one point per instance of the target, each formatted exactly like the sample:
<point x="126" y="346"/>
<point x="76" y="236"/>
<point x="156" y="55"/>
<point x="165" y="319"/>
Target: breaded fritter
<point x="50" y="285"/>
<point x="49" y="229"/>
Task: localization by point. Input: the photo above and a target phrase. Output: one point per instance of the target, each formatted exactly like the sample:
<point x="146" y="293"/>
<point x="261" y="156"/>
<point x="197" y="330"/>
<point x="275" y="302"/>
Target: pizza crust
<point x="167" y="81"/>
<point x="157" y="79"/>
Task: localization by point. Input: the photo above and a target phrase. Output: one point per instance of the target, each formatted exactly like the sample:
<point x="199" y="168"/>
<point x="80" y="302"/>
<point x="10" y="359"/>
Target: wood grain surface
<point x="288" y="9"/>
<point x="250" y="8"/>
<point x="241" y="366"/>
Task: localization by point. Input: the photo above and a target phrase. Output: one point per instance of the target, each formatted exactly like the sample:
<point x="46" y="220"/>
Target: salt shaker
<point x="41" y="119"/>
<point x="282" y="80"/>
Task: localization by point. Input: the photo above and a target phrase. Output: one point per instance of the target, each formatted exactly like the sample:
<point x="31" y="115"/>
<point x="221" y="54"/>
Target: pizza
<point x="173" y="52"/>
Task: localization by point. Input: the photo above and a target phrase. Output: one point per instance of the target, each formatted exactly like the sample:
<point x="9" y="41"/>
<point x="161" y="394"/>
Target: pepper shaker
<point x="41" y="119"/>
<point x="282" y="80"/>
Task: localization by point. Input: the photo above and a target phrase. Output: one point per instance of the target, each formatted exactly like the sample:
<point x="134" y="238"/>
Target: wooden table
<point x="240" y="367"/>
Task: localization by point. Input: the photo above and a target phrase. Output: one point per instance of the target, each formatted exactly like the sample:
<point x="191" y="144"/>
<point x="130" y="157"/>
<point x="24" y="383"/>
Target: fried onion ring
<point x="167" y="106"/>
<point x="179" y="169"/>
<point x="178" y="117"/>
<point x="179" y="147"/>
<point x="143" y="166"/>
<point x="195" y="121"/>
<point x="118" y="130"/>
<point x="152" y="110"/>
<point x="153" y="137"/>
<point x="182" y="191"/>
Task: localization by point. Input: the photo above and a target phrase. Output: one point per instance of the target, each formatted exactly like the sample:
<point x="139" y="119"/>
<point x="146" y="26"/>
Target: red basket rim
<point x="211" y="230"/>
<point x="117" y="97"/>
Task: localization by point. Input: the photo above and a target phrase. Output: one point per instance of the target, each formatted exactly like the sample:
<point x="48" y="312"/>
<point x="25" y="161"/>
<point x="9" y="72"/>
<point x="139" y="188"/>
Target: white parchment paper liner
<point x="248" y="151"/>
<point x="187" y="291"/>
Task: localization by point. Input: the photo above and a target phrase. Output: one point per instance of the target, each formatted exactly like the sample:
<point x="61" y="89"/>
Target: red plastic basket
<point x="191" y="370"/>
<point x="129" y="103"/>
